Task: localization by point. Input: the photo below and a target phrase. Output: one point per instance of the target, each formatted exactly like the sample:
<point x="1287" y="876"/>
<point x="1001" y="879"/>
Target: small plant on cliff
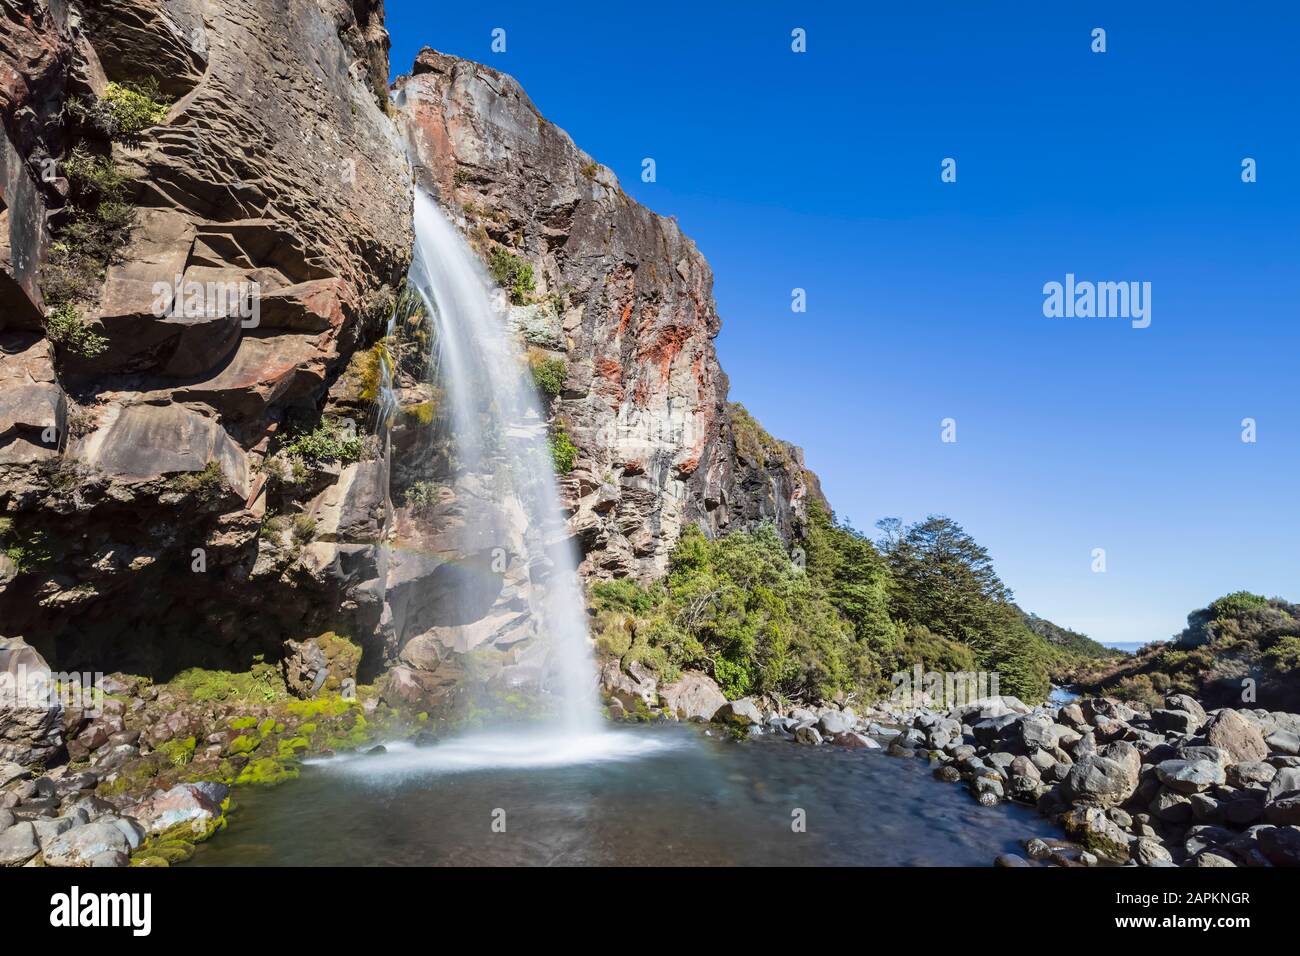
<point x="331" y="440"/>
<point x="68" y="330"/>
<point x="304" y="529"/>
<point x="589" y="169"/>
<point x="564" y="453"/>
<point x="95" y="176"/>
<point x="513" y="274"/>
<point x="27" y="551"/>
<point x="125" y="109"/>
<point x="206" y="485"/>
<point x="548" y="373"/>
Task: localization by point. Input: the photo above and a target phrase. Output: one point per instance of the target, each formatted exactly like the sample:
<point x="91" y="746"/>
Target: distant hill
<point x="1242" y="648"/>
<point x="1072" y="641"/>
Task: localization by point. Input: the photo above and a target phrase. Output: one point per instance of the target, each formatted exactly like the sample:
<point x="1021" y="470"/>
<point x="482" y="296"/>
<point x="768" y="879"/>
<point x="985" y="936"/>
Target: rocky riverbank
<point x="142" y="773"/>
<point x="1170" y="786"/>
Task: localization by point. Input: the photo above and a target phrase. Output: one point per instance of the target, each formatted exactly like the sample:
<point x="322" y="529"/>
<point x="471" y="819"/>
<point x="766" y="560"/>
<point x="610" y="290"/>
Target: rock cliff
<point x="204" y="210"/>
<point x="205" y="220"/>
<point x="625" y="301"/>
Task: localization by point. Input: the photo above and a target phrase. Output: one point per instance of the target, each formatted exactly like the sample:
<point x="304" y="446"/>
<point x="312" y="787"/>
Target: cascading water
<point x="499" y="437"/>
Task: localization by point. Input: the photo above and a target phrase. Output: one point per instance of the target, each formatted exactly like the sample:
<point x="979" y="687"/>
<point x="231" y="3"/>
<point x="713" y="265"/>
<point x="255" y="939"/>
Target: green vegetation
<point x="68" y="330"/>
<point x="206" y="485"/>
<point x="548" y="373"/>
<point x="832" y="621"/>
<point x="1238" y="638"/>
<point x="422" y="496"/>
<point x="27" y="551"/>
<point x="261" y="683"/>
<point x="589" y="169"/>
<point x="513" y="274"/>
<point x="331" y="440"/>
<point x="564" y="453"/>
<point x="752" y="440"/>
<point x="125" y="110"/>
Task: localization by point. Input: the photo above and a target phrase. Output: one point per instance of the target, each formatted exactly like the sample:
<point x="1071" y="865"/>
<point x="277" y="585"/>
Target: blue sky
<point x="821" y="171"/>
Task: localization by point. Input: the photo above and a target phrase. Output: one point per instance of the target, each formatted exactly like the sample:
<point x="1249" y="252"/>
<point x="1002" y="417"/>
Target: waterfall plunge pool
<point x="658" y="795"/>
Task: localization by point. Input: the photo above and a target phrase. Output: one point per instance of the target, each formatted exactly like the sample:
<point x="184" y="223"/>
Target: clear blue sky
<point x="822" y="171"/>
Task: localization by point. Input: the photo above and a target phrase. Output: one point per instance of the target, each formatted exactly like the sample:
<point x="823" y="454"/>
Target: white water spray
<point x="500" y="440"/>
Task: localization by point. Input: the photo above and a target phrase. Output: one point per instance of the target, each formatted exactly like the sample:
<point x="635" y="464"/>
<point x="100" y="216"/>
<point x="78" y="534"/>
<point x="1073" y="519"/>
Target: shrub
<point x="331" y="440"/>
<point x="513" y="274"/>
<point x="206" y="485"/>
<point x="68" y="330"/>
<point x="304" y="529"/>
<point x="564" y="453"/>
<point x="96" y="176"/>
<point x="421" y="496"/>
<point x="130" y="108"/>
<point x="548" y="373"/>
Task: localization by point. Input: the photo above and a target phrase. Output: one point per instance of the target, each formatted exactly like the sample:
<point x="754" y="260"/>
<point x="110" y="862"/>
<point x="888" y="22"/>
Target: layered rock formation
<point x="205" y="215"/>
<point x="130" y="471"/>
<point x="625" y="299"/>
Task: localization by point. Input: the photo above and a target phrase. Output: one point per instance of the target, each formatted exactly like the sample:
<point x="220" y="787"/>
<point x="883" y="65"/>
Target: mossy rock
<point x="266" y="772"/>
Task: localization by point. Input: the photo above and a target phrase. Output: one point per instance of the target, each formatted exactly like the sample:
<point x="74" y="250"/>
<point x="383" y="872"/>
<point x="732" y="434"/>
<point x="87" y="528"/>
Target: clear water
<point x="650" y="795"/>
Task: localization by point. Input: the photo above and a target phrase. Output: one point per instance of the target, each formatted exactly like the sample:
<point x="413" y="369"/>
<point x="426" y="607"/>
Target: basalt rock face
<point x="140" y="527"/>
<point x="624" y="299"/>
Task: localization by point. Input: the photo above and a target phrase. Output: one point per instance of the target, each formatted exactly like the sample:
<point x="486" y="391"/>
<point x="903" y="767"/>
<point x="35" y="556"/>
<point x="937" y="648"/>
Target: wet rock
<point x="855" y="741"/>
<point x="807" y="734"/>
<point x="947" y="773"/>
<point x="1097" y="832"/>
<point x="1011" y="860"/>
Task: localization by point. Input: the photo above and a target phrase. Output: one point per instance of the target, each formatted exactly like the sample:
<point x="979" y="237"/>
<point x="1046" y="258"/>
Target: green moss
<point x="308" y="728"/>
<point x="266" y="727"/>
<point x="292" y="746"/>
<point x="262" y="683"/>
<point x="266" y="772"/>
<point x="178" y="752"/>
<point x="243" y="723"/>
<point x="327" y="706"/>
<point x="243" y="744"/>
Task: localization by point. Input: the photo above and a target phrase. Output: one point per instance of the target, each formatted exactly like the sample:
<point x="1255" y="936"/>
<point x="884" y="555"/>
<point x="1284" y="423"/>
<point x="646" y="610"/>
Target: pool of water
<point x="656" y="795"/>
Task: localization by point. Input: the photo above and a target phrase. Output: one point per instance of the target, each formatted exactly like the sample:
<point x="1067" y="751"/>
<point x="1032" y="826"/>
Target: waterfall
<point x="502" y="457"/>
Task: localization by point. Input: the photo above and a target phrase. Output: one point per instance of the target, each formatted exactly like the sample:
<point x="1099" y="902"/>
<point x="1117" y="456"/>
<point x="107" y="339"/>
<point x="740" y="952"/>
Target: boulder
<point x="198" y="804"/>
<point x="807" y="734"/>
<point x="739" y="713"/>
<point x="18" y="844"/>
<point x="1281" y="845"/>
<point x="1241" y="739"/>
<point x="1190" y="776"/>
<point x="693" y="696"/>
<point x="81" y="845"/>
<point x="31" y="716"/>
<point x="1187" y="704"/>
<point x="1148" y="852"/>
<point x="1106" y="778"/>
<point x="1096" y="831"/>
